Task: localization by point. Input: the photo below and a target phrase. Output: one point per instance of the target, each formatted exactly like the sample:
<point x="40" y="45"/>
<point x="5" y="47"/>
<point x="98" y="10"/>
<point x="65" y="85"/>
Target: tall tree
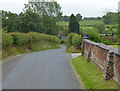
<point x="50" y="8"/>
<point x="10" y="21"/>
<point x="79" y="17"/>
<point x="110" y="18"/>
<point x="36" y="17"/>
<point x="73" y="24"/>
<point x="49" y="13"/>
<point x="30" y="22"/>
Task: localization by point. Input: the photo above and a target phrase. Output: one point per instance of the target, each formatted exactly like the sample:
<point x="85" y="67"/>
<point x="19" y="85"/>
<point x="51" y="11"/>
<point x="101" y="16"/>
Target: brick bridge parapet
<point x="104" y="57"/>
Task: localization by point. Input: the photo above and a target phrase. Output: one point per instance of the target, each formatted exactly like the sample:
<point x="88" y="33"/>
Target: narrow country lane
<point x="50" y="69"/>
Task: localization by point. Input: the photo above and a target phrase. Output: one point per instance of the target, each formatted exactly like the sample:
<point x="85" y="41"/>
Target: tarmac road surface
<point x="50" y="69"/>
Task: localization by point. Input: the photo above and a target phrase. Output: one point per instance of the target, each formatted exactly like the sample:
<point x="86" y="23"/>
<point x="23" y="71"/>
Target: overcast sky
<point x="87" y="8"/>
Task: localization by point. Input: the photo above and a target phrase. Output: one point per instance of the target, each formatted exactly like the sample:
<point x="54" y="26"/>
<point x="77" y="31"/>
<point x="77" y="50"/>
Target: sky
<point x="87" y="8"/>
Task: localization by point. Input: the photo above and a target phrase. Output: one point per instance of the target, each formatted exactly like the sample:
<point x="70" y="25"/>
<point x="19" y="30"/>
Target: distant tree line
<point x="66" y="18"/>
<point x="92" y="18"/>
<point x="109" y="18"/>
<point x="36" y="17"/>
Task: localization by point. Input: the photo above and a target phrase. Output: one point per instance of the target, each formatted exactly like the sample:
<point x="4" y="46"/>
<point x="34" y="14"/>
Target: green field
<point x="90" y="76"/>
<point x="82" y="23"/>
<point x="90" y="22"/>
<point x="63" y="23"/>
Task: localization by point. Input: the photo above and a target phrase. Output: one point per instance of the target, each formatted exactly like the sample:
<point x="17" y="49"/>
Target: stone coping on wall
<point x="103" y="46"/>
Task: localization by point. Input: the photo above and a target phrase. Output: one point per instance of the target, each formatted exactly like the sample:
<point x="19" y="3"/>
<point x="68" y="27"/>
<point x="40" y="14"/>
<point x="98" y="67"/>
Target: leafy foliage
<point x="110" y="18"/>
<point x="69" y="39"/>
<point x="93" y="34"/>
<point x="74" y="40"/>
<point x="37" y="17"/>
<point x="110" y="40"/>
<point x="50" y="8"/>
<point x="7" y="40"/>
<point x="20" y="39"/>
<point x="100" y="27"/>
<point x="10" y="21"/>
<point x="73" y="25"/>
<point x="79" y="17"/>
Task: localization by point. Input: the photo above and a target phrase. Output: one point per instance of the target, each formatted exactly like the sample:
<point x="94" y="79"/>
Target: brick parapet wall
<point x="104" y="57"/>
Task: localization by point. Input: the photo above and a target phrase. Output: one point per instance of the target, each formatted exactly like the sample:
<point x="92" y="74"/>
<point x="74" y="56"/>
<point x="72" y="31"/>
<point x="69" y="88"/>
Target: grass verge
<point x="73" y="49"/>
<point x="38" y="46"/>
<point x="90" y="76"/>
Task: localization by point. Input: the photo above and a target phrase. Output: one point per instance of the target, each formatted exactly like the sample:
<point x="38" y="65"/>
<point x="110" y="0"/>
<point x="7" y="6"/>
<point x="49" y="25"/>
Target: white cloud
<point x="14" y="6"/>
<point x="85" y="7"/>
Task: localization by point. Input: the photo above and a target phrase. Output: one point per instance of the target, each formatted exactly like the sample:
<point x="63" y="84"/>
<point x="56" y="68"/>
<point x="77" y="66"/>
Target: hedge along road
<point x="50" y="69"/>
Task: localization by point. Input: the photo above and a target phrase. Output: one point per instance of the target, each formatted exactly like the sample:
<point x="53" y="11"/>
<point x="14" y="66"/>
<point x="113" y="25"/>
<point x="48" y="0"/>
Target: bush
<point x="94" y="37"/>
<point x="7" y="40"/>
<point x="20" y="38"/>
<point x="69" y="39"/>
<point x="107" y="42"/>
<point x="74" y="40"/>
<point x="26" y="38"/>
<point x="53" y="39"/>
<point x="35" y="36"/>
<point x="38" y="37"/>
<point x="100" y="27"/>
<point x="110" y="40"/>
<point x="26" y="42"/>
<point x="93" y="34"/>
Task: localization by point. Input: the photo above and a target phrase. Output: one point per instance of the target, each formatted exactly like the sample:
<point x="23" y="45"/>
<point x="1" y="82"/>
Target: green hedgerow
<point x="32" y="37"/>
<point x="7" y="40"/>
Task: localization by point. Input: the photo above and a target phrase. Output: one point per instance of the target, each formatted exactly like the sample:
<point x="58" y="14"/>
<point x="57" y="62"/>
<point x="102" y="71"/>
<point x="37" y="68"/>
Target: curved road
<point x="50" y="69"/>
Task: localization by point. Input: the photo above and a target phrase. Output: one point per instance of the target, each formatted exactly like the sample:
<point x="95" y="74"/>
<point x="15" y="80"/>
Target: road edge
<point x="77" y="76"/>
